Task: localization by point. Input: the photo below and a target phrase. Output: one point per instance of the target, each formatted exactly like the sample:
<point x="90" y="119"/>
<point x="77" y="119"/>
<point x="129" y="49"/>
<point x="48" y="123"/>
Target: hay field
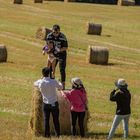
<point x="121" y="34"/>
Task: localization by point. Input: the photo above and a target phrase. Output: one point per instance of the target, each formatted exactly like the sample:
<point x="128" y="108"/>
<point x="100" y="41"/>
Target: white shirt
<point x="48" y="88"/>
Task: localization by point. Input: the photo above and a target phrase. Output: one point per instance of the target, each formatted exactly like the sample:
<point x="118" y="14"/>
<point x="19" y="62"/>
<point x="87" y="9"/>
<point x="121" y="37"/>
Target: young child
<point x="50" y="50"/>
<point x="78" y="101"/>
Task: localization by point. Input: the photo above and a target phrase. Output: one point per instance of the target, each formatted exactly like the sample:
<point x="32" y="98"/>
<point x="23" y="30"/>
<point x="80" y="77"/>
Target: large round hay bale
<point x="137" y="2"/>
<point x="36" y="120"/>
<point x="126" y="2"/>
<point x="97" y="55"/>
<point x="18" y="1"/>
<point x="42" y="32"/>
<point x="94" y="29"/>
<point x="3" y="53"/>
<point x="38" y="1"/>
<point x="53" y="0"/>
<point x="70" y="0"/>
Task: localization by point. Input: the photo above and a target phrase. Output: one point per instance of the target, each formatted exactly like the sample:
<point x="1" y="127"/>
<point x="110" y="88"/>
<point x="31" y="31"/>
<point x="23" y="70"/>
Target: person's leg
<point x="115" y="123"/>
<point x="49" y="65"/>
<point x="81" y="116"/>
<point x="62" y="67"/>
<point x="55" y="115"/>
<point x="126" y="125"/>
<point x="74" y="116"/>
<point x="46" y="110"/>
<point x="53" y="68"/>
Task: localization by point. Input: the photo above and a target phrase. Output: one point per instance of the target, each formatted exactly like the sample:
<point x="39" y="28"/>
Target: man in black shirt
<point x="61" y="45"/>
<point x="122" y="97"/>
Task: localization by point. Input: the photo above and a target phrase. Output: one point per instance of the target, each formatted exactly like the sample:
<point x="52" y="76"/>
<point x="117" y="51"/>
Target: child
<point x="50" y="50"/>
<point x="78" y="100"/>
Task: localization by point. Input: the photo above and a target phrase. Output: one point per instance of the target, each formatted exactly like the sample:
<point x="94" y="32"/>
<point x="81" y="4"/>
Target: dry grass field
<point x="121" y="35"/>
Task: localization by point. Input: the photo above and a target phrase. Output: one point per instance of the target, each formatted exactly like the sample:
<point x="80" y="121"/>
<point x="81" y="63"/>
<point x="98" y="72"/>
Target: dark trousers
<point x="80" y="116"/>
<point x="62" y="67"/>
<point x="54" y="110"/>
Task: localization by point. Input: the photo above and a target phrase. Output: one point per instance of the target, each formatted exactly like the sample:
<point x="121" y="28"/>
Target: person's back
<point x="48" y="89"/>
<point x="123" y="99"/>
<point x="123" y="104"/>
<point x="77" y="98"/>
<point x="78" y="101"/>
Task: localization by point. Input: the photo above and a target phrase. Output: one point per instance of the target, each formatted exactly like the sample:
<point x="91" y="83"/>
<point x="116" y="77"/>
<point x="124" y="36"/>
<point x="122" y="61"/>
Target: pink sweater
<point x="77" y="99"/>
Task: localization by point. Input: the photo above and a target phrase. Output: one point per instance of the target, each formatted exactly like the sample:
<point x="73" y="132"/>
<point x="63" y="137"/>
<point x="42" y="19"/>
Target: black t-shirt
<point x="60" y="42"/>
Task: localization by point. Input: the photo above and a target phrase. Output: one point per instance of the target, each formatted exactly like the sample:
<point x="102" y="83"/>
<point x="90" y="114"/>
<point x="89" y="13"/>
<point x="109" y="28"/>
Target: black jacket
<point x="123" y="100"/>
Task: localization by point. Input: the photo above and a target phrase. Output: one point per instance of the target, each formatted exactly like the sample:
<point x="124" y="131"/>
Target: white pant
<point x="116" y="121"/>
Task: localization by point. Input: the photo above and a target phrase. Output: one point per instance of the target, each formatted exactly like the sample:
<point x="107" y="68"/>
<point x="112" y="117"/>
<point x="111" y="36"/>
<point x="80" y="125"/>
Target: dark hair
<point x="56" y="27"/>
<point x="77" y="86"/>
<point x="50" y="41"/>
<point x="45" y="71"/>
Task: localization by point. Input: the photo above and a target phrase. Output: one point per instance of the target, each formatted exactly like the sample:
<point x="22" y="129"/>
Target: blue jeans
<point x="116" y="121"/>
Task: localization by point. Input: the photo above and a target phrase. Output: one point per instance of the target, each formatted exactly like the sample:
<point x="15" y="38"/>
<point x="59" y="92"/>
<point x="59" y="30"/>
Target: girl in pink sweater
<point x="78" y="100"/>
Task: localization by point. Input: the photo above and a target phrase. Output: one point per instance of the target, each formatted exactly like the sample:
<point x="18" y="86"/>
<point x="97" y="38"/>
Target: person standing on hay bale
<point x="48" y="88"/>
<point x="122" y="97"/>
<point x="78" y="100"/>
<point x="50" y="50"/>
<point x="61" y="45"/>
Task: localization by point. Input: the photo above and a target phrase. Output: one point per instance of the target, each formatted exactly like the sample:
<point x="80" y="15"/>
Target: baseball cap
<point x="121" y="83"/>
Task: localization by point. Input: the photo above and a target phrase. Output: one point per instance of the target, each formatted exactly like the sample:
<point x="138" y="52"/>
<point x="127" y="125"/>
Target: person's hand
<point x="116" y="89"/>
<point x="57" y="49"/>
<point x="43" y="52"/>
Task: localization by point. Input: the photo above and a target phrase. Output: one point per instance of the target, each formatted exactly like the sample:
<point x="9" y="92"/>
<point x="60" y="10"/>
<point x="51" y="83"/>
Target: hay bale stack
<point x="36" y="120"/>
<point x="126" y="2"/>
<point x="38" y="1"/>
<point x="42" y="33"/>
<point x="3" y="53"/>
<point x="97" y="55"/>
<point x="18" y="1"/>
<point x="94" y="29"/>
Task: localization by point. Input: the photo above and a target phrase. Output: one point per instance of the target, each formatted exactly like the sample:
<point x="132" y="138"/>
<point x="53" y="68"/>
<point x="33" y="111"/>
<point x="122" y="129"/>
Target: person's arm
<point x="63" y="49"/>
<point x="83" y="96"/>
<point x="113" y="95"/>
<point x="65" y="94"/>
<point x="64" y="43"/>
<point x="37" y="83"/>
<point x="58" y="85"/>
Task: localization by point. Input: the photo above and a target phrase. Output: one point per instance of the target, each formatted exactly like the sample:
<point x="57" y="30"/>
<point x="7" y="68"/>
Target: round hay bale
<point x="137" y="2"/>
<point x="53" y="0"/>
<point x="69" y="0"/>
<point x="42" y="32"/>
<point x="126" y="2"/>
<point x="3" y="53"/>
<point x="94" y="29"/>
<point x="38" y="1"/>
<point x="18" y="1"/>
<point x="36" y="120"/>
<point x="98" y="55"/>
